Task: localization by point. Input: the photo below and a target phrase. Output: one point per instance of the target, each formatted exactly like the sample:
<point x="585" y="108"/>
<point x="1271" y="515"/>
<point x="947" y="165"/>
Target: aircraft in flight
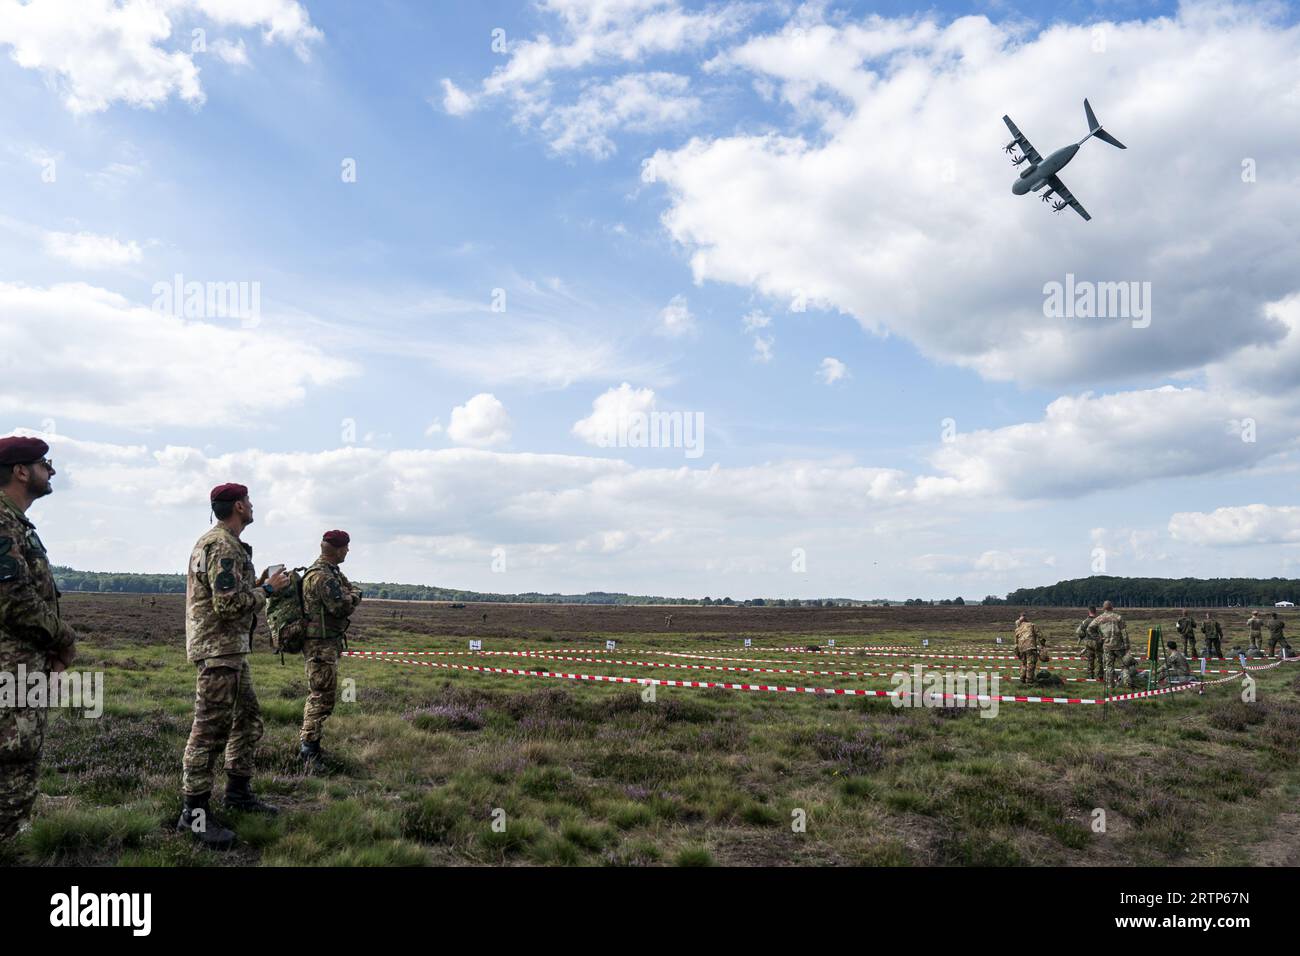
<point x="1042" y="172"/>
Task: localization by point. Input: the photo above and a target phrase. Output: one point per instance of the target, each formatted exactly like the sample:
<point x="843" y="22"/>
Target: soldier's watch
<point x="268" y="589"/>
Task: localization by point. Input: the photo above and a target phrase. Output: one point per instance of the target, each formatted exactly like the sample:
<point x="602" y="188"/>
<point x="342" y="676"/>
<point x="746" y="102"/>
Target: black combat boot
<point x="311" y="754"/>
<point x="196" y="818"/>
<point x="240" y="796"/>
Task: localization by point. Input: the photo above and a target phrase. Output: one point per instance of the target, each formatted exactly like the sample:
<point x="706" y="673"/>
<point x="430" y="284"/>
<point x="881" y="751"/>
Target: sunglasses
<point x="47" y="462"/>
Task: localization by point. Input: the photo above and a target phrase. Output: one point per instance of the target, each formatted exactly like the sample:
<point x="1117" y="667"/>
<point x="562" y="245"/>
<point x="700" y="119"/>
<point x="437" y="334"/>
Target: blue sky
<point x="794" y="220"/>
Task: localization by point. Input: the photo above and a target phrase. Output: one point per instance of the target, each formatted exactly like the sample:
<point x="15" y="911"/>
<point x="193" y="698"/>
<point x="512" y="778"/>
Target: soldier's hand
<point x="278" y="581"/>
<point x="61" y="660"/>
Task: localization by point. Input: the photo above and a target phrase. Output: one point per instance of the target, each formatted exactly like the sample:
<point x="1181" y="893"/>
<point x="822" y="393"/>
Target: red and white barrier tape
<point x="816" y="691"/>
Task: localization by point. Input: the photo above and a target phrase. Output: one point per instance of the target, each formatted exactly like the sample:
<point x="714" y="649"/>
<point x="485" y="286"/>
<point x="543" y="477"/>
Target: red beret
<point x="228" y="492"/>
<point x="338" y="539"/>
<point x="17" y="450"/>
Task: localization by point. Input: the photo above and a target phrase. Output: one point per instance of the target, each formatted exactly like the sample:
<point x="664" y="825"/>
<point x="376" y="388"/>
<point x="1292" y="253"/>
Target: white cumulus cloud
<point x="101" y="52"/>
<point x="481" y="422"/>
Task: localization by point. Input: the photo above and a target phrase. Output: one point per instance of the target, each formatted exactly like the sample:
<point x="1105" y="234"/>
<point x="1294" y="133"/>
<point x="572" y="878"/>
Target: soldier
<point x="1256" y="624"/>
<point x="1091" y="645"/>
<point x="33" y="636"/>
<point x="1275" y="628"/>
<point x="1186" y="626"/>
<point x="1175" y="669"/>
<point x="1213" y="632"/>
<point x="1108" y="628"/>
<point x="668" y="620"/>
<point x="1029" y="641"/>
<point x="222" y="601"/>
<point x="1132" y="678"/>
<point x="328" y="601"/>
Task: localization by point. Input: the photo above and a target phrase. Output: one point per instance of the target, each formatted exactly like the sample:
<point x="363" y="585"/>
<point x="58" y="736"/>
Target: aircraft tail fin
<point x="1094" y="128"/>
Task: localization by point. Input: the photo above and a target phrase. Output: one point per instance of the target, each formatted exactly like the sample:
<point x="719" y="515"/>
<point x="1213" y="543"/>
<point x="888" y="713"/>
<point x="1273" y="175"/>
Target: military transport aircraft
<point x="1042" y="172"/>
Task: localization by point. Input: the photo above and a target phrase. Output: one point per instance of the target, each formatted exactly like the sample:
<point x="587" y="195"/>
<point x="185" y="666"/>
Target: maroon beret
<point x="338" y="539"/>
<point x="17" y="450"/>
<point x="228" y="492"/>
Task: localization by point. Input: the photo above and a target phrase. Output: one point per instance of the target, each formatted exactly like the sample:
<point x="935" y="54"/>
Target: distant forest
<point x="1159" y="592"/>
<point x="1124" y="592"/>
<point x="69" y="579"/>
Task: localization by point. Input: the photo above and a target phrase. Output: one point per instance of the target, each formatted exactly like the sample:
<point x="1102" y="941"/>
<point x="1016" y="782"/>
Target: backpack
<point x="286" y="617"/>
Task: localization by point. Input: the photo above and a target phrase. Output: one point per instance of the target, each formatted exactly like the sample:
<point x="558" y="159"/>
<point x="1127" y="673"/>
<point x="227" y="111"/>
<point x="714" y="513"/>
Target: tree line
<point x="1158" y="592"/>
<point x="70" y="579"/>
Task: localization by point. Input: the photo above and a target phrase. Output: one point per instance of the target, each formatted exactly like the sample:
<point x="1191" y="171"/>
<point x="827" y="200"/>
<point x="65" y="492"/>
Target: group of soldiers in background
<point x="1106" y="649"/>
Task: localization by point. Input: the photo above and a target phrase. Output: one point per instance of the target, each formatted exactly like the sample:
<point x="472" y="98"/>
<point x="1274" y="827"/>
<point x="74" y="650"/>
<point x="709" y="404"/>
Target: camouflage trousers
<point x="1028" y="665"/>
<point x="1273" y="642"/>
<point x="1254" y="638"/>
<point x="1189" y="646"/>
<point x="22" y="734"/>
<point x="1112" y="659"/>
<point x="1092" y="654"/>
<point x="1213" y="647"/>
<point x="322" y="686"/>
<point x="226" y="718"/>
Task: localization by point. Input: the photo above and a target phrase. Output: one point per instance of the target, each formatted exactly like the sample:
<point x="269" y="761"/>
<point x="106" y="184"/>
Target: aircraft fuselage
<point x="1034" y="179"/>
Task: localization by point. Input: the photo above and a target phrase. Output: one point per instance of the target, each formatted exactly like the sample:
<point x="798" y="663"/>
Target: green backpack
<point x="286" y="617"/>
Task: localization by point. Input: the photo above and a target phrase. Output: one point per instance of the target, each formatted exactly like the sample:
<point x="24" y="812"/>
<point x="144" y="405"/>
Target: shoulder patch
<point x="226" y="577"/>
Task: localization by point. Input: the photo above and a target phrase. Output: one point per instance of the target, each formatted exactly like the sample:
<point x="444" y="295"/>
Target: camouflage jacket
<point x="29" y="600"/>
<point x="1108" y="627"/>
<point x="1212" y="629"/>
<point x="1186" y="627"/>
<point x="1176" y="665"/>
<point x="328" y="597"/>
<point x="1084" y="631"/>
<point x="1028" y="637"/>
<point x="222" y="598"/>
<point x="1255" y="624"/>
<point x="1275" y="628"/>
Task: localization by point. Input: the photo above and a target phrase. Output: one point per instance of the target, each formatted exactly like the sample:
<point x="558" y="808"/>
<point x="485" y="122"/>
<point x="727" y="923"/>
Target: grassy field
<point x="424" y="759"/>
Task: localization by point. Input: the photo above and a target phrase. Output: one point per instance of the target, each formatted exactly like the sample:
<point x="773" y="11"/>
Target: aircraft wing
<point x="1026" y="147"/>
<point x="1054" y="183"/>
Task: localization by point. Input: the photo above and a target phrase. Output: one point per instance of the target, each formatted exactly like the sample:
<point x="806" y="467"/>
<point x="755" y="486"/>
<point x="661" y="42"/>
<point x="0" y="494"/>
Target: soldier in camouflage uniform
<point x="1108" y="628"/>
<point x="328" y="602"/>
<point x="1275" y="627"/>
<point x="1256" y="624"/>
<point x="1187" y="628"/>
<point x="1175" y="669"/>
<point x="1091" y="645"/>
<point x="1029" y="644"/>
<point x="222" y="599"/>
<point x="32" y="634"/>
<point x="1132" y="678"/>
<point x="1213" y="633"/>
